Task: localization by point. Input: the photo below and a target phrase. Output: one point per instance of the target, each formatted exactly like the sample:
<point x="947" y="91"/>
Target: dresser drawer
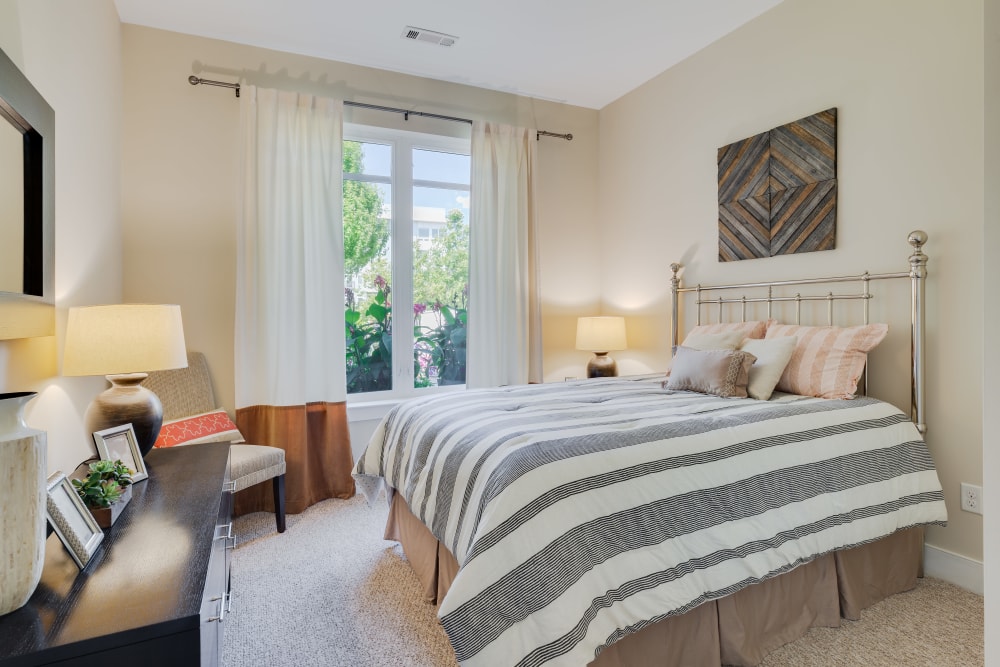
<point x="216" y="601"/>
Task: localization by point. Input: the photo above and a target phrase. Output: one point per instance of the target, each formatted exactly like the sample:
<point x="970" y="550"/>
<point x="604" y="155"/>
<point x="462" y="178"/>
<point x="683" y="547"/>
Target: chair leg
<point x="279" y="501"/>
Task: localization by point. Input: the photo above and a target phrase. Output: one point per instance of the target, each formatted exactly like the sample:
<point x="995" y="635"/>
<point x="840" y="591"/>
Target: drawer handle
<point x="224" y="606"/>
<point x="228" y="535"/>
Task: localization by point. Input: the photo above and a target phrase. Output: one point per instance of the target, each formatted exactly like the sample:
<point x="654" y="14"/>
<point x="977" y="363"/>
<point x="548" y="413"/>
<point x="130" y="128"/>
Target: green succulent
<point x="104" y="485"/>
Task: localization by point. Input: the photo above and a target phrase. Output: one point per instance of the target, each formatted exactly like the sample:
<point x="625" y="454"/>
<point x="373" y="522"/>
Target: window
<point x="406" y="250"/>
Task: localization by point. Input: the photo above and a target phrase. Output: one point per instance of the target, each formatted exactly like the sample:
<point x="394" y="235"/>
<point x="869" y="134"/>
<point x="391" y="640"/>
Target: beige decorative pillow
<point x="772" y="357"/>
<point x="703" y="340"/>
<point x="827" y="361"/>
<point x="722" y="340"/>
<point x="751" y="329"/>
<point x="719" y="372"/>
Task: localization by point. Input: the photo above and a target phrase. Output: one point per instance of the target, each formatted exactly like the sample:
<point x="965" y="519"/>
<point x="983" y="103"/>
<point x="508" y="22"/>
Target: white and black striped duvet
<point x="584" y="511"/>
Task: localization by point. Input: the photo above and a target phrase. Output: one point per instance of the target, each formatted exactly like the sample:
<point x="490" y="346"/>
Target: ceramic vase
<point x="22" y="497"/>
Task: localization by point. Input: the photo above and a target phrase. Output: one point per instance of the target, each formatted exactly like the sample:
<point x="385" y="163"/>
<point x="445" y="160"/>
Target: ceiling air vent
<point x="428" y="36"/>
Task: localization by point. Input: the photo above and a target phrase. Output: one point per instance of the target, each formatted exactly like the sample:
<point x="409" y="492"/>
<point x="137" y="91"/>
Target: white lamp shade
<point x="600" y="334"/>
<point x="125" y="338"/>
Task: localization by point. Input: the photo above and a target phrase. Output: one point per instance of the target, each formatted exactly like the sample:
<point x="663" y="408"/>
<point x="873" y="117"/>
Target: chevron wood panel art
<point x="744" y="170"/>
<point x="745" y="229"/>
<point x="778" y="190"/>
<point x="804" y="219"/>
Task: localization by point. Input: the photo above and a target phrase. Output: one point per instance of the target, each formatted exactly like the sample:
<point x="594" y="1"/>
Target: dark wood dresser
<point x="155" y="593"/>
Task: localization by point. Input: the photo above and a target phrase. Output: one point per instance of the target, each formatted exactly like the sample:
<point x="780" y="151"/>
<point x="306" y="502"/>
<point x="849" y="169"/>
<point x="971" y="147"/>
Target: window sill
<point x="370" y="410"/>
<point x="359" y="409"/>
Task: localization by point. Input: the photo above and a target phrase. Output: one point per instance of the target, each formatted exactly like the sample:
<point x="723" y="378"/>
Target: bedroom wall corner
<point x="907" y="79"/>
<point x="991" y="353"/>
<point x="71" y="53"/>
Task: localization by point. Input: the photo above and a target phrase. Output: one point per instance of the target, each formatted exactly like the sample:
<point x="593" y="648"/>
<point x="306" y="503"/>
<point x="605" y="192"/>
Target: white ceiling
<point x="582" y="52"/>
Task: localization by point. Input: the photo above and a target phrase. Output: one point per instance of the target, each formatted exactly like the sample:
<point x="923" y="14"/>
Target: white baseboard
<point x="959" y="570"/>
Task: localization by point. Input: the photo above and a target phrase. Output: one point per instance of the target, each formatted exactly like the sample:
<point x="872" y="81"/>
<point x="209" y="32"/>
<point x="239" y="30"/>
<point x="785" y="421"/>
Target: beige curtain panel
<point x="290" y="383"/>
<point x="505" y="334"/>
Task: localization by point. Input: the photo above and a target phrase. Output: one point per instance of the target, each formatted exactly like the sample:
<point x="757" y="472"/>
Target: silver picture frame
<point x="119" y="443"/>
<point x="72" y="521"/>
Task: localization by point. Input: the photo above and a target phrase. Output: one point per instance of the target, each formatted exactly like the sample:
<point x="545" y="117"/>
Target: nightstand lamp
<point x="601" y="335"/>
<point x="124" y="342"/>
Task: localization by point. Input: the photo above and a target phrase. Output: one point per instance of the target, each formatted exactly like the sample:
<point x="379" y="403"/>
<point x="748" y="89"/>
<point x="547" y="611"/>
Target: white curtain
<point x="290" y="384"/>
<point x="504" y="344"/>
<point x="290" y="275"/>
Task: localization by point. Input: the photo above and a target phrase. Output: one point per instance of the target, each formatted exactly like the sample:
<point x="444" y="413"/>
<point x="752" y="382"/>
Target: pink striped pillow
<point x="827" y="361"/>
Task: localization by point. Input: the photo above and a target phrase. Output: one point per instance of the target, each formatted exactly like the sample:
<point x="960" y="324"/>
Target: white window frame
<point x="372" y="404"/>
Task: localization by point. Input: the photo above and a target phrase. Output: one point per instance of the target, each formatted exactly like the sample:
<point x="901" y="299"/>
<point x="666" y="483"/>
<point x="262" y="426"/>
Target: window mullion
<point x="402" y="267"/>
<point x="367" y="178"/>
<point x="442" y="185"/>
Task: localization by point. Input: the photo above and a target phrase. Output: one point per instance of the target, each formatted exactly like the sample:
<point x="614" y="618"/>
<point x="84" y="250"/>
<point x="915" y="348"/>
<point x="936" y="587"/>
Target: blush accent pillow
<point x="720" y="372"/>
<point x="772" y="357"/>
<point x="827" y="361"/>
<point x="214" y="426"/>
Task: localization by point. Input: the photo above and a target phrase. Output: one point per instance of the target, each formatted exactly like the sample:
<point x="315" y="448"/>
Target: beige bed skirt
<point x="736" y="630"/>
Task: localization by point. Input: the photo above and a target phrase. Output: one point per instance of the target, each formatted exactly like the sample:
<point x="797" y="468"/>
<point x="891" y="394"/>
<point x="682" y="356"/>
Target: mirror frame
<point x="24" y="315"/>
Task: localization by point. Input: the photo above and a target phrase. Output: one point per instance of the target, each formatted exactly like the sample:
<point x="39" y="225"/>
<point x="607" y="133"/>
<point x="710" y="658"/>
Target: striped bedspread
<point x="584" y="511"/>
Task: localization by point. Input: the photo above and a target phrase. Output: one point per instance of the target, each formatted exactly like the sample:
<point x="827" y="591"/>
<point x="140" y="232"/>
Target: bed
<point x="634" y="521"/>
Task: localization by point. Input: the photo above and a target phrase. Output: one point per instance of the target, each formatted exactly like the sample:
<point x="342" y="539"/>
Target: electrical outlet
<point x="972" y="498"/>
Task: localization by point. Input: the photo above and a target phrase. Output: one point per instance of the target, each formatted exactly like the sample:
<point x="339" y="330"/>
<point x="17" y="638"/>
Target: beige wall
<point x="907" y="79"/>
<point x="71" y="53"/>
<point x="180" y="182"/>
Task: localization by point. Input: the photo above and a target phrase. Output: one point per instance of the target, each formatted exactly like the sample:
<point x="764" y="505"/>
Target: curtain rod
<point x="194" y="81"/>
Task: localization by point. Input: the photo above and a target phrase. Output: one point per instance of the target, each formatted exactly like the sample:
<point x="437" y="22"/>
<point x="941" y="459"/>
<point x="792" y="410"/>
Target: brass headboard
<point x="917" y="275"/>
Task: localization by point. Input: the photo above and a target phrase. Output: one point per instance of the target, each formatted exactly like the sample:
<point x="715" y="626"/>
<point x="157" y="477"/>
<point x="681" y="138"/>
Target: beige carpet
<point x="329" y="592"/>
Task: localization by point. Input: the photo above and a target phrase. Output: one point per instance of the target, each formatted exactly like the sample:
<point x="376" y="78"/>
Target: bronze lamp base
<point x="127" y="401"/>
<point x="602" y="366"/>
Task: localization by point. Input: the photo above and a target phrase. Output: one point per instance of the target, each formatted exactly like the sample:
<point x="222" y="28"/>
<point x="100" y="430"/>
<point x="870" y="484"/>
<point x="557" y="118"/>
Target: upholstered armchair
<point x="186" y="393"/>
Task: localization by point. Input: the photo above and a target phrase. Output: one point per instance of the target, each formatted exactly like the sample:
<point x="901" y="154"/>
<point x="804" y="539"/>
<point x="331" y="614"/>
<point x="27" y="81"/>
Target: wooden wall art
<point x="778" y="190"/>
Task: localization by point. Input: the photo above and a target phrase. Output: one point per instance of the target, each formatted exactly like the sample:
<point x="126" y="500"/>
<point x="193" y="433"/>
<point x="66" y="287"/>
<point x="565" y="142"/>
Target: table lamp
<point x="601" y="335"/>
<point x="124" y="342"/>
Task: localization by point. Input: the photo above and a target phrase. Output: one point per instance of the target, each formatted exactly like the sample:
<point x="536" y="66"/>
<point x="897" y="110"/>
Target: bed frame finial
<point x="918" y="260"/>
<point x="675" y="284"/>
<point x="918" y="276"/>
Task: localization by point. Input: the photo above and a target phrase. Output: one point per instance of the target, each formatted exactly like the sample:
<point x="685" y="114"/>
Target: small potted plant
<point x="106" y="490"/>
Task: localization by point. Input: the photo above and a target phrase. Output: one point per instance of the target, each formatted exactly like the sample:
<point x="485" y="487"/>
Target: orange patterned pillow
<point x="827" y="361"/>
<point x="215" y="426"/>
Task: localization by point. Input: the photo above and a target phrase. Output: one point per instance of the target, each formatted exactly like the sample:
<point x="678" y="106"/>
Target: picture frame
<point x="72" y="521"/>
<point x="119" y="443"/>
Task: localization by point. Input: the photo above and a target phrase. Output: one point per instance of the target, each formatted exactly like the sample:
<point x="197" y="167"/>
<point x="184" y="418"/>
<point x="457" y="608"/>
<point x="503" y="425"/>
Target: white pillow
<point x="772" y="357"/>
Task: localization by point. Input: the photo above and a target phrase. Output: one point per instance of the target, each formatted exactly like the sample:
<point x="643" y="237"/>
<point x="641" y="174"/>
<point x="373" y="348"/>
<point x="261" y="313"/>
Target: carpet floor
<point x="330" y="592"/>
